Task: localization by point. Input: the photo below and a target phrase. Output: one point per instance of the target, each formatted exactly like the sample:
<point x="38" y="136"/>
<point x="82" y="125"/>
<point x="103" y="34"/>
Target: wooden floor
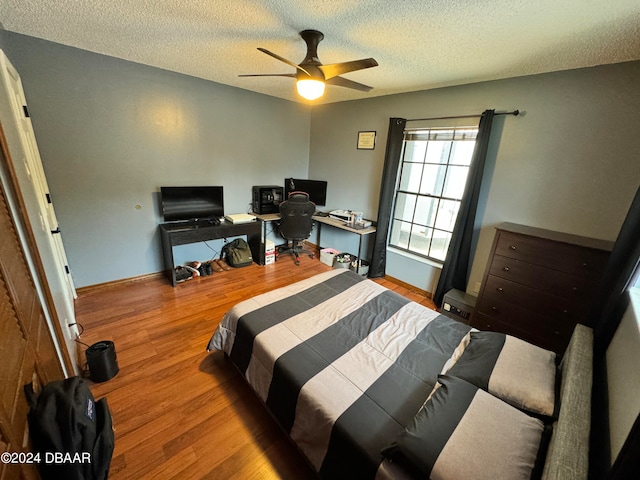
<point x="178" y="411"/>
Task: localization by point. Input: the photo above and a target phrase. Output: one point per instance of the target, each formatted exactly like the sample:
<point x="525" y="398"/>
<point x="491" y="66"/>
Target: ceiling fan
<point x="311" y="75"/>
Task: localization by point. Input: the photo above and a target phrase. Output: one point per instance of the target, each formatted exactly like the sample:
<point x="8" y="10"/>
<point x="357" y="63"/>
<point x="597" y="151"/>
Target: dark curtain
<point x="387" y="191"/>
<point x="455" y="270"/>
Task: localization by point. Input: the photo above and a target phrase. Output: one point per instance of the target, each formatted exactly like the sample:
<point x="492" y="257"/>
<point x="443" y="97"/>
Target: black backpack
<point x="237" y="253"/>
<point x="71" y="433"/>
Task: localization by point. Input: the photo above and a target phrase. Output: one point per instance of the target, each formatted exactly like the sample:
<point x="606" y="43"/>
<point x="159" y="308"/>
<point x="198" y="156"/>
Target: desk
<point x="332" y="222"/>
<point x="320" y="220"/>
<point x="176" y="234"/>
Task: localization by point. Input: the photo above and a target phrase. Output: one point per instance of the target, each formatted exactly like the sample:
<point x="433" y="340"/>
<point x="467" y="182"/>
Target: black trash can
<point x="102" y="361"/>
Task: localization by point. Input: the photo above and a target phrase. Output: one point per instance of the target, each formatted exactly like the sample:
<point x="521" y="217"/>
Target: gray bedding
<point x="345" y="366"/>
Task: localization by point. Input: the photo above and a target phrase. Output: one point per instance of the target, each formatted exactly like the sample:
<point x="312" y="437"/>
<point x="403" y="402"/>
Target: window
<point x="635" y="278"/>
<point x="433" y="173"/>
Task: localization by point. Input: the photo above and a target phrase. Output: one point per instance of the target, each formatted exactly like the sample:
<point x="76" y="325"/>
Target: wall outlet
<point x="476" y="287"/>
<point x="72" y="330"/>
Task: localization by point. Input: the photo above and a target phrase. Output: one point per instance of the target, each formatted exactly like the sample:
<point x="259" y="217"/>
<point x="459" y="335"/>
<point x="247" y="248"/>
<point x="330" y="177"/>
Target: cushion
<point x="568" y="457"/>
<point x="516" y="371"/>
<point x="464" y="432"/>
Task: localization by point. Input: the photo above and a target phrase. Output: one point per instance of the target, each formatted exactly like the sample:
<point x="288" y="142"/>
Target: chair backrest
<point x="296" y="216"/>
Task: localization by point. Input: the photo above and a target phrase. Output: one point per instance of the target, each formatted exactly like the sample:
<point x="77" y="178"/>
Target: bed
<point x="371" y="385"/>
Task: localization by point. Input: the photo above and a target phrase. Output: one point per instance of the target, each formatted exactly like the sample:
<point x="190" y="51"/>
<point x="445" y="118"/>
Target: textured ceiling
<point x="419" y="44"/>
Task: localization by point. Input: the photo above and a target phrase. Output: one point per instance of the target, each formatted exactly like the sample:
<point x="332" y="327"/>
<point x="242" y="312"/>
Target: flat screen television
<point x="191" y="203"/>
<point x="317" y="189"/>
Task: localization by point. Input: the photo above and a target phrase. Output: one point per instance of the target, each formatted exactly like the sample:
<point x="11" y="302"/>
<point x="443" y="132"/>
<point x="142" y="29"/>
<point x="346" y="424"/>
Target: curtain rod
<point x="515" y="113"/>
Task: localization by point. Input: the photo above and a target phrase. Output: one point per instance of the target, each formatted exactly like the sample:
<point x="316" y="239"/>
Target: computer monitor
<point x="317" y="189"/>
<point x="192" y="203"/>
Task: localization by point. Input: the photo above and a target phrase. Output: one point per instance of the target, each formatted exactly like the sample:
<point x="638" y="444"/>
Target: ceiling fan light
<point x="310" y="89"/>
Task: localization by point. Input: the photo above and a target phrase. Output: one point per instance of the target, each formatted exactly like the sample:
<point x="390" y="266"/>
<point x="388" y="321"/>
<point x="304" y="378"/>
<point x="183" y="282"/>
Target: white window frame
<point x="429" y="188"/>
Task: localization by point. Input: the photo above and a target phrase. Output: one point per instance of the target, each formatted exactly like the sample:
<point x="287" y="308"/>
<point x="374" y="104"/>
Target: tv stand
<point x="173" y="234"/>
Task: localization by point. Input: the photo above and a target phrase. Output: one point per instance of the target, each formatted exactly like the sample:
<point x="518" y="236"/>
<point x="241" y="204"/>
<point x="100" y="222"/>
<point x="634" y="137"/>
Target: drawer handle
<point x="500" y="289"/>
<point x="506" y="269"/>
<point x="494" y="309"/>
<point x="575" y="289"/>
<point x="585" y="264"/>
<point x="512" y="247"/>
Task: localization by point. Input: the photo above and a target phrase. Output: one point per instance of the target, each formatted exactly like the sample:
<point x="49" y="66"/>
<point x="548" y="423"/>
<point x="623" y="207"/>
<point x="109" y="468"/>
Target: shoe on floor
<point x="194" y="271"/>
<point x="214" y="266"/>
<point x="209" y="268"/>
<point x="202" y="268"/>
<point x="222" y="264"/>
<point x="206" y="268"/>
<point x="183" y="274"/>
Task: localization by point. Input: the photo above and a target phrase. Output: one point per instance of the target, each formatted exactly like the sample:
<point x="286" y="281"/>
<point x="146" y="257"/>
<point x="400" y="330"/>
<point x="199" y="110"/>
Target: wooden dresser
<point x="538" y="284"/>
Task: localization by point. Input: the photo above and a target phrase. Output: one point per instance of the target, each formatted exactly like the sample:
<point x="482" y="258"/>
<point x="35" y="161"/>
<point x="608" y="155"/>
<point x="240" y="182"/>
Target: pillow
<point x="464" y="432"/>
<point x="519" y="373"/>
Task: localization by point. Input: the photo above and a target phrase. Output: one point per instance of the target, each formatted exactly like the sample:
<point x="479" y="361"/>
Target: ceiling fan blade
<point x="312" y="68"/>
<point x="292" y="75"/>
<point x="334" y="69"/>
<point x="343" y="82"/>
<point x="282" y="59"/>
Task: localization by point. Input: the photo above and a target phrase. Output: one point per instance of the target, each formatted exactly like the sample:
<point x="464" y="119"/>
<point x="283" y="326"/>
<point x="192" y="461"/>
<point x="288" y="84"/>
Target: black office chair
<point x="296" y="223"/>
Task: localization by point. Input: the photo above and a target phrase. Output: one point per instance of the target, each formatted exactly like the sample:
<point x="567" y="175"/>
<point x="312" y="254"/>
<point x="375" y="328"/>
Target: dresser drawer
<point x="580" y="261"/>
<point x="537" y="301"/>
<point x="570" y="287"/>
<point x="525" y="320"/>
<point x="554" y="342"/>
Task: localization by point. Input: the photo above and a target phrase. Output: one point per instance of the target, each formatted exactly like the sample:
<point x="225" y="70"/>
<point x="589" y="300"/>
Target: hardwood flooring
<point x="178" y="411"/>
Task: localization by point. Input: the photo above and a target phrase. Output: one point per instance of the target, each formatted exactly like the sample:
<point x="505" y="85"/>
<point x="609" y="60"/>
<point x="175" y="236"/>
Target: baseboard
<point x="117" y="283"/>
<point x="310" y="246"/>
<point x="413" y="288"/>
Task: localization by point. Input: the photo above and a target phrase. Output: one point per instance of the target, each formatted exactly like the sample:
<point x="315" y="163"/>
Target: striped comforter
<point x="341" y="362"/>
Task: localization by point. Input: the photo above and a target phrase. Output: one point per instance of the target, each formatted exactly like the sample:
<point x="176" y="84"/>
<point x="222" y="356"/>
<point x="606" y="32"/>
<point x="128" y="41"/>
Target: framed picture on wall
<point x="367" y="140"/>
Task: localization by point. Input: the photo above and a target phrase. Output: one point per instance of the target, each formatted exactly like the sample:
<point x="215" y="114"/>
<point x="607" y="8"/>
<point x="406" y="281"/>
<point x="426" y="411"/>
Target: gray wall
<point x="111" y="132"/>
<point x="569" y="163"/>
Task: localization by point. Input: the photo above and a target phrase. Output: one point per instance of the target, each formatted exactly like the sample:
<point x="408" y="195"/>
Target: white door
<point x="26" y="159"/>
